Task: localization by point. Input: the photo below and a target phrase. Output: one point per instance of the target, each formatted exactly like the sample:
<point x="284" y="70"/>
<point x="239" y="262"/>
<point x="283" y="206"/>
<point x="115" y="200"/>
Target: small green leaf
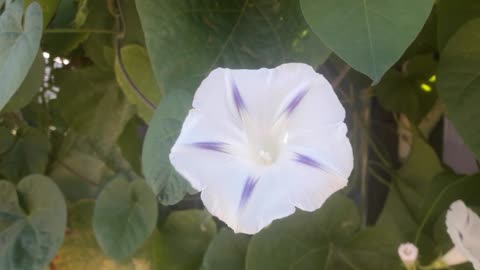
<point x="19" y="45"/>
<point x="124" y="217"/>
<point x="30" y="87"/>
<point x="459" y="82"/>
<point x="186" y="40"/>
<point x="138" y="67"/>
<point x="183" y="240"/>
<point x="32" y="223"/>
<point x="130" y="143"/>
<point x="370" y="35"/>
<point x="226" y="251"/>
<point x="28" y="155"/>
<point x="168" y="185"/>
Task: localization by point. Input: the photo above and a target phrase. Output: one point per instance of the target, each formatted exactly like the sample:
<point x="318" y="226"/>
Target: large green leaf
<point x="459" y="82"/>
<point x="28" y="155"/>
<point x="18" y="45"/>
<point x="452" y="15"/>
<point x="226" y="251"/>
<point x="370" y="35"/>
<point x="125" y="215"/>
<point x="168" y="185"/>
<point x="328" y="238"/>
<point x="30" y="87"/>
<point x="33" y="217"/>
<point x="182" y="241"/>
<point x="186" y="39"/>
<point x="138" y="67"/>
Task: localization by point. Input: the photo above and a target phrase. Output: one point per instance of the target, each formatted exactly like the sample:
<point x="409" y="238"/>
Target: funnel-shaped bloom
<point x="463" y="226"/>
<point x="259" y="143"/>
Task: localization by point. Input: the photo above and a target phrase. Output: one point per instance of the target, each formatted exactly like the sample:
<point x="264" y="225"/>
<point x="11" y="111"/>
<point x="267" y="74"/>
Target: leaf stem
<point x="73" y="30"/>
<point x="70" y="169"/>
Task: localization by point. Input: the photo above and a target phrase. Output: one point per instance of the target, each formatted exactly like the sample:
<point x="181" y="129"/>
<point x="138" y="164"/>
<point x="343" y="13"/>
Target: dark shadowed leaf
<point x="226" y="251"/>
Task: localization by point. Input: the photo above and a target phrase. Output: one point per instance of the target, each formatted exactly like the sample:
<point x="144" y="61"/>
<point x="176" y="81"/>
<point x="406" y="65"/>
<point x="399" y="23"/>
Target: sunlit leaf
<point x="19" y="43"/>
<point x="186" y="40"/>
<point x="32" y="223"/>
<point x="370" y="35"/>
<point x="125" y="215"/>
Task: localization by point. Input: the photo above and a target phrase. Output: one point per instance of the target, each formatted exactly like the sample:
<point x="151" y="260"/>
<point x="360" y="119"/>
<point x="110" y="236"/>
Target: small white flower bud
<point x="408" y="253"/>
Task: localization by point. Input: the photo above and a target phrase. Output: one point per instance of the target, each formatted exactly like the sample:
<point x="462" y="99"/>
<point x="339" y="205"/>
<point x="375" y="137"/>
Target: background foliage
<point x="93" y="94"/>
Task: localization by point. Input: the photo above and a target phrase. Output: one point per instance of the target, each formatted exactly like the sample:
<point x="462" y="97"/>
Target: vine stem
<point x="73" y="30"/>
<point x="120" y="27"/>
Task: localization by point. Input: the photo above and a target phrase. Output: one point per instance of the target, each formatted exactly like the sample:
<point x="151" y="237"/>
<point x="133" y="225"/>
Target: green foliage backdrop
<point x="93" y="94"/>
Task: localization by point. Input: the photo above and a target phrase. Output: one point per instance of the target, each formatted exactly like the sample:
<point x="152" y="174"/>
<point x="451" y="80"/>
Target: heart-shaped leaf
<point x="33" y="217"/>
<point x="19" y="45"/>
<point x="125" y="215"/>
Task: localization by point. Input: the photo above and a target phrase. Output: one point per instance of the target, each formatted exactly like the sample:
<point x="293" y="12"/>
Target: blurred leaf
<point x="32" y="222"/>
<point x="186" y="40"/>
<point x="28" y="155"/>
<point x="403" y="92"/>
<point x="459" y="82"/>
<point x="328" y="237"/>
<point x="131" y="141"/>
<point x="48" y="8"/>
<point x="19" y="45"/>
<point x="374" y="34"/>
<point x="133" y="32"/>
<point x="30" y="87"/>
<point x="226" y="251"/>
<point x="182" y="241"/>
<point x="7" y="140"/>
<point x="80" y="251"/>
<point x="168" y="185"/>
<point x="452" y="15"/>
<point x="70" y="14"/>
<point x="138" y="67"/>
<point x="95" y="93"/>
<point x="125" y="215"/>
<point x="426" y="41"/>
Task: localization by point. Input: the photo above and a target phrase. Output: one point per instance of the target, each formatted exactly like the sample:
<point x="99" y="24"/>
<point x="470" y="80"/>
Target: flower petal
<point x="463" y="226"/>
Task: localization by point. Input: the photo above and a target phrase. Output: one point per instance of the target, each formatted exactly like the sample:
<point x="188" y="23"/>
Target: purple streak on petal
<point x="295" y="101"/>
<point x="247" y="190"/>
<point x="212" y="146"/>
<point x="237" y="98"/>
<point x="306" y="160"/>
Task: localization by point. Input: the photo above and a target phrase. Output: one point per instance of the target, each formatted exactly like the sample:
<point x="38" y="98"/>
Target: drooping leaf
<point x="182" y="241"/>
<point x="226" y="251"/>
<point x="328" y="238"/>
<point x="459" y="82"/>
<point x="138" y="68"/>
<point x="452" y="15"/>
<point x="32" y="223"/>
<point x="370" y="35"/>
<point x="168" y="185"/>
<point x="48" y="8"/>
<point x="125" y="215"/>
<point x="28" y="155"/>
<point x="19" y="44"/>
<point x="29" y="87"/>
<point x="186" y="40"/>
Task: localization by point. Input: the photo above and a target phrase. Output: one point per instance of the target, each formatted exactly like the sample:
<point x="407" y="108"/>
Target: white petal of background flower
<point x="259" y="143"/>
<point x="463" y="226"/>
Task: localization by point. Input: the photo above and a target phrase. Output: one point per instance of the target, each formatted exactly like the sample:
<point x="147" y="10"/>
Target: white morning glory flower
<point x="259" y="143"/>
<point x="463" y="226"/>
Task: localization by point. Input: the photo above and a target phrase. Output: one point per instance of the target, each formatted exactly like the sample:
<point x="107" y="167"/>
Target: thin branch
<point x="343" y="73"/>
<point x="120" y="25"/>
<point x="73" y="30"/>
<point x="73" y="171"/>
